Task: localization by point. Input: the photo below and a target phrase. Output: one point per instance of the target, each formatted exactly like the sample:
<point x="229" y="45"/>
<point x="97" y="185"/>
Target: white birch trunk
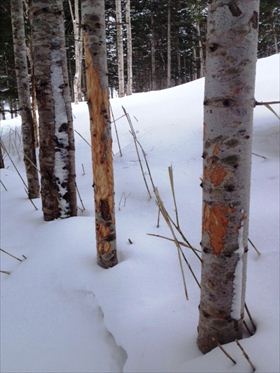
<point x="201" y="56"/>
<point x="120" y="47"/>
<point x="232" y="37"/>
<point x="57" y="162"/>
<point x="129" y="49"/>
<point x="28" y="138"/>
<point x="153" y="54"/>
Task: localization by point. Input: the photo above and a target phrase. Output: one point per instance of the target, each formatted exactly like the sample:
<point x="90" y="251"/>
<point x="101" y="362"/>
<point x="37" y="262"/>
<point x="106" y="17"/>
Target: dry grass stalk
<point x="254" y="247"/>
<point x="116" y="130"/>
<point x="83" y="169"/>
<point x="158" y="218"/>
<point x="137" y="150"/>
<point x="245" y="355"/>
<point x="171" y="179"/>
<point x="171" y="239"/>
<point x="166" y="218"/>
<point x="258" y="155"/>
<point x="247" y="328"/>
<point x="5" y="272"/>
<point x="224" y="351"/>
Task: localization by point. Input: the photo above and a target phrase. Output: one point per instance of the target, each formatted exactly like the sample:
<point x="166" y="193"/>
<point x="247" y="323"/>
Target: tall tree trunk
<point x="228" y="113"/>
<point x="129" y="49"/>
<point x="57" y="149"/>
<point x="168" y="83"/>
<point x="153" y="54"/>
<point x="98" y="102"/>
<point x="28" y="138"/>
<point x="120" y="47"/>
<point x="200" y="48"/>
<point x="78" y="46"/>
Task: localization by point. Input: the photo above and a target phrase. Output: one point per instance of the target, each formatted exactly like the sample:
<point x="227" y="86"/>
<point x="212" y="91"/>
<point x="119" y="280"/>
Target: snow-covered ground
<point x="60" y="312"/>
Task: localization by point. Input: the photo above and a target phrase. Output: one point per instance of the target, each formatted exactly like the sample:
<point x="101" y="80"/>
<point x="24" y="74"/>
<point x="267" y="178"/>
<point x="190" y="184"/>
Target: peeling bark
<point x="98" y="102"/>
<point x="228" y="113"/>
<point x="27" y="126"/>
<point x="57" y="162"/>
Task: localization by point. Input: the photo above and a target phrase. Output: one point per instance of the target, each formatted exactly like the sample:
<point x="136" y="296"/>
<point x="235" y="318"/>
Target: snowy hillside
<point x="60" y="312"/>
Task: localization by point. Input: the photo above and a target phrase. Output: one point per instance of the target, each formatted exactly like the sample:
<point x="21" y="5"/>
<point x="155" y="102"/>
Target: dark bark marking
<point x="234" y="9"/>
<point x="231" y="160"/>
<point x="254" y="20"/>
<point x="213" y="47"/>
<point x="105" y="210"/>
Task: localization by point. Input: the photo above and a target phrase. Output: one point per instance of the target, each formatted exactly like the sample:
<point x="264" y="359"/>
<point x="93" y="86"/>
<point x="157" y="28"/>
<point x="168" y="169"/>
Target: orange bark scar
<point x="216" y="174"/>
<point x="215" y="223"/>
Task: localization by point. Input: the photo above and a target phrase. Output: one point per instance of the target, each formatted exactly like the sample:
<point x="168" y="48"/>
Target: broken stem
<point x="245" y="355"/>
<point x="223" y="350"/>
<point x="257" y="251"/>
<point x="171" y="239"/>
<point x="11" y="255"/>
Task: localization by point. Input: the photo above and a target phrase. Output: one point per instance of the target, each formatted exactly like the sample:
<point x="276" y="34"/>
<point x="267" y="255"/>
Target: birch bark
<point x="57" y="149"/>
<point x="93" y="15"/>
<point x="169" y="45"/>
<point x="120" y="47"/>
<point x="232" y="36"/>
<point x="27" y="126"/>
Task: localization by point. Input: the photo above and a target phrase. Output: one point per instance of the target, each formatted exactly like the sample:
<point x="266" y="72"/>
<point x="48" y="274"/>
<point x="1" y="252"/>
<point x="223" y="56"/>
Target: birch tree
<point x="129" y="48"/>
<point x="120" y="47"/>
<point x="57" y="150"/>
<point x="27" y="126"/>
<point x="168" y="45"/>
<point x="98" y="103"/>
<point x="78" y="46"/>
<point x="228" y="113"/>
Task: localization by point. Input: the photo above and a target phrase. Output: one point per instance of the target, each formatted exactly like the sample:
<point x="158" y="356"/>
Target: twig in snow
<point x="260" y="156"/>
<point x="80" y="198"/>
<point x="5" y="272"/>
<point x="83" y="169"/>
<point x="137" y="150"/>
<point x="82" y="137"/>
<point x="158" y="218"/>
<point x="247" y="328"/>
<point x="254" y="247"/>
<point x="245" y="355"/>
<point x="223" y="350"/>
<point x="171" y="239"/>
<point x="1" y="182"/>
<point x="171" y="179"/>
<point x="257" y="103"/>
<point x="11" y="255"/>
<point x="250" y="317"/>
<point x="116" y="130"/>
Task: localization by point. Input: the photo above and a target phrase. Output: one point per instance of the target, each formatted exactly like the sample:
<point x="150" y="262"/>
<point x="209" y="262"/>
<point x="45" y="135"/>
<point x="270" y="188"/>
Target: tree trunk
<point x="168" y="83"/>
<point x="153" y="54"/>
<point x="57" y="149"/>
<point x="129" y="49"/>
<point x="78" y="46"/>
<point x="98" y="102"/>
<point x="28" y="138"/>
<point x="228" y="113"/>
<point x="200" y="48"/>
<point x="120" y="47"/>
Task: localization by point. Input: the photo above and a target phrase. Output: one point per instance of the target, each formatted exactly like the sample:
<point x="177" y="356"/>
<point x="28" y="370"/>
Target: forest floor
<point x="60" y="312"/>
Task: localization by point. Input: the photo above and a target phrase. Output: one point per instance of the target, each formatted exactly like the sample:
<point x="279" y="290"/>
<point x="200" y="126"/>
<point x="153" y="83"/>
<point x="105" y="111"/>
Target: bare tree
<point x="98" y="102"/>
<point x="57" y="163"/>
<point x="28" y="137"/>
<point x="120" y="47"/>
<point x="232" y="37"/>
<point x="168" y="82"/>
<point x="129" y="48"/>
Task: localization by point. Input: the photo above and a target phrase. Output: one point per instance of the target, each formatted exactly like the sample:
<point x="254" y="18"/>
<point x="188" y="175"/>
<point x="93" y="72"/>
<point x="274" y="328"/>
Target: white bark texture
<point x="57" y="162"/>
<point x="93" y="15"/>
<point x="129" y="49"/>
<point x="232" y="36"/>
<point x="28" y="137"/>
<point x="120" y="47"/>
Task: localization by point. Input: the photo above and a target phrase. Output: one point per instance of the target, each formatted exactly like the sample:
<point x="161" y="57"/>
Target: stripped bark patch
<point x="215" y="223"/>
<point x="215" y="174"/>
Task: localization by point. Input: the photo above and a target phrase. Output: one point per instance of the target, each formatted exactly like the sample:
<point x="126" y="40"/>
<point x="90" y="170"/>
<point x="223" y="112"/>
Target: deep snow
<point x="60" y="312"/>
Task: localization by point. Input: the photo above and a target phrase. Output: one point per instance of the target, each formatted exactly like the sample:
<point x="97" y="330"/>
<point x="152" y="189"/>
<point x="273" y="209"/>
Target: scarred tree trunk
<point x="228" y="113"/>
<point x="129" y="49"/>
<point x="120" y="47"/>
<point x="28" y="138"/>
<point x="98" y="102"/>
<point x="57" y="150"/>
